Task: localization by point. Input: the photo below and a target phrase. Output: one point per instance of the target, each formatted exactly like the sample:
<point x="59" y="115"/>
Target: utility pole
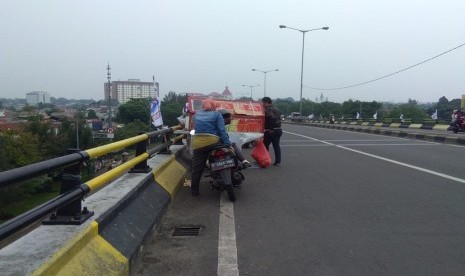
<point x="77" y="129"/>
<point x="109" y="94"/>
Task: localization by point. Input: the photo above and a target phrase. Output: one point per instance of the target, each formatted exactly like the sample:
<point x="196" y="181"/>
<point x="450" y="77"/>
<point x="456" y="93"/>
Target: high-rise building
<point x="123" y="91"/>
<point x="36" y="97"/>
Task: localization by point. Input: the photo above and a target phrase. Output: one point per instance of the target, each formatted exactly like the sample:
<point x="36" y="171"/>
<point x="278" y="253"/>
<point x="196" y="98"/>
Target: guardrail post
<point x="141" y="167"/>
<point x="71" y="213"/>
<point x="166" y="150"/>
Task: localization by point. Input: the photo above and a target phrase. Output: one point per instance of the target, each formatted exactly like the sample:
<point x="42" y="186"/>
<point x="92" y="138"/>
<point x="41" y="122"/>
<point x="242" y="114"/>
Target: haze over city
<point x="63" y="48"/>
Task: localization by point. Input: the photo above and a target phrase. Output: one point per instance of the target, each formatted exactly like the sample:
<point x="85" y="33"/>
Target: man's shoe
<point x="277" y="164"/>
<point x="246" y="164"/>
<point x="195" y="193"/>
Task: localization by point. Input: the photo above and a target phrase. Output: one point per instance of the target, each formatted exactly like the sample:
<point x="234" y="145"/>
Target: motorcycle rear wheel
<point x="231" y="195"/>
<point x="236" y="178"/>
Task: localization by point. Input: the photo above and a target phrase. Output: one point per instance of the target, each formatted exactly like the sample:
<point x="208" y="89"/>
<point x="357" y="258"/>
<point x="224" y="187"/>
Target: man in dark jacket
<point x="273" y="131"/>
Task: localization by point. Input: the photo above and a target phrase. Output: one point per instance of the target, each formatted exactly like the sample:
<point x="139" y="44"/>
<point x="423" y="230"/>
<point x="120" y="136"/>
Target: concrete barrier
<point x="396" y="130"/>
<point x="417" y="126"/>
<point x="441" y="127"/>
<point x="127" y="211"/>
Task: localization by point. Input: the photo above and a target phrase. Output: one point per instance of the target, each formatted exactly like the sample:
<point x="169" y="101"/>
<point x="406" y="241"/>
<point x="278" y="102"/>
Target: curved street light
<point x="264" y="79"/>
<point x="251" y="86"/>
<point x="303" y="47"/>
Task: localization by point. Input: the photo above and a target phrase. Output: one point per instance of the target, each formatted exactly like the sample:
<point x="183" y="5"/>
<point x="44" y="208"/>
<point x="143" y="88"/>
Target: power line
<point x="397" y="72"/>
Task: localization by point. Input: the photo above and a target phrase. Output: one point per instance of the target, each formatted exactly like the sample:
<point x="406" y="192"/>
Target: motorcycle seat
<point x="201" y="140"/>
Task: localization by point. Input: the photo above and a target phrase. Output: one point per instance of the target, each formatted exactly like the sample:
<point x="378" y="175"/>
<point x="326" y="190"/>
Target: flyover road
<point x="341" y="203"/>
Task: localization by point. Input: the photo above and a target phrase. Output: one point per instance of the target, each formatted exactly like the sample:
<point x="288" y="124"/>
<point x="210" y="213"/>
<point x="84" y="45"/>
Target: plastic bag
<point x="261" y="154"/>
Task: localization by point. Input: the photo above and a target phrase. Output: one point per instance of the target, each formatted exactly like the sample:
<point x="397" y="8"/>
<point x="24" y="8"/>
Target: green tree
<point x="52" y="110"/>
<point x="18" y="148"/>
<point x="42" y="105"/>
<point x="410" y="110"/>
<point x="139" y="109"/>
<point x="285" y="106"/>
<point x="171" y="107"/>
<point x="244" y="98"/>
<point x="350" y="108"/>
<point x="91" y="114"/>
<point x="445" y="108"/>
<point x="135" y="109"/>
<point x="172" y="97"/>
<point x="327" y="108"/>
<point x="29" y="108"/>
<point x="131" y="129"/>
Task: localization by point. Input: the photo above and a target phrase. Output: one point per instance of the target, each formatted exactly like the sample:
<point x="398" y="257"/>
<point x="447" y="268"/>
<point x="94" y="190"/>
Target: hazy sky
<point x="63" y="47"/>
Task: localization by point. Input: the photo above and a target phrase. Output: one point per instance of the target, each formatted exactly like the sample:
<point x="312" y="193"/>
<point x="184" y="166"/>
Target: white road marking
<point x="359" y="140"/>
<point x="385" y="159"/>
<point x="315" y="145"/>
<point x="227" y="250"/>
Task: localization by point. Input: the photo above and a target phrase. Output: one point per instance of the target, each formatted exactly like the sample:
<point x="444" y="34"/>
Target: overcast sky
<point x="63" y="47"/>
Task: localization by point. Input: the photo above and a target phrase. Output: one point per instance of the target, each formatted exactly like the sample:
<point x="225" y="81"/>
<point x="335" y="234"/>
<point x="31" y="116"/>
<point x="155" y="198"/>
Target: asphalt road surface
<point x="341" y="203"/>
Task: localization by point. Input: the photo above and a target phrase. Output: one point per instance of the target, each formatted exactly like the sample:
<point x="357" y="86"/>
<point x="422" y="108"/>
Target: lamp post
<point x="264" y="80"/>
<point x="77" y="130"/>
<point x="303" y="47"/>
<point x="251" y="86"/>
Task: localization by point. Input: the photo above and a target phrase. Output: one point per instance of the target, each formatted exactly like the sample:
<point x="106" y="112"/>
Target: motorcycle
<point x="458" y="122"/>
<point x="224" y="170"/>
<point x="457" y="126"/>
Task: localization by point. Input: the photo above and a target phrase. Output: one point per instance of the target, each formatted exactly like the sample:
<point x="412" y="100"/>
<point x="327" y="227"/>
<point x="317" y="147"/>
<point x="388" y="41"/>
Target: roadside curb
<point x="396" y="131"/>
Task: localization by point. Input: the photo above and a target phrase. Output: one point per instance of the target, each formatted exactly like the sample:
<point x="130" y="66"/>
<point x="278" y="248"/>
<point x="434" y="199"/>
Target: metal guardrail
<point x="67" y="206"/>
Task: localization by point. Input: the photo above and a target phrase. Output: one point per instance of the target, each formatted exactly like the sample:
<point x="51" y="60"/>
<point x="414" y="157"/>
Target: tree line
<point x="412" y="110"/>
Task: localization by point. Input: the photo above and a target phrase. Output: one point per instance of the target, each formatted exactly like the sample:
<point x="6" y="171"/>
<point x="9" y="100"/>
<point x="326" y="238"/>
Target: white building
<point x="123" y="91"/>
<point x="36" y="97"/>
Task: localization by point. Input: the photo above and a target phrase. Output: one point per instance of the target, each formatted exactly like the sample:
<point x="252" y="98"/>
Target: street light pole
<point x="264" y="78"/>
<point x="251" y="86"/>
<point x="303" y="47"/>
<point x="77" y="129"/>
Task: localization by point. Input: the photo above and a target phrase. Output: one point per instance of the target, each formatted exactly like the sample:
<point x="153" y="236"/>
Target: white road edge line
<point x="227" y="250"/>
<point x="315" y="145"/>
<point x="386" y="159"/>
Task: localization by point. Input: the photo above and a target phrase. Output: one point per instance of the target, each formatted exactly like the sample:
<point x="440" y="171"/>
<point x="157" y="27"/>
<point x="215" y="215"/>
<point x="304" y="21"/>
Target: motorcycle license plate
<point x="222" y="164"/>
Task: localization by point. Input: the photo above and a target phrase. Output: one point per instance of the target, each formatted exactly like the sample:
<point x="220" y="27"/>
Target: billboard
<point x="247" y="116"/>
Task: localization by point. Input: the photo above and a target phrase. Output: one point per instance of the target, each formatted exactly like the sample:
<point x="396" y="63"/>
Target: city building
<point x="36" y="97"/>
<point x="123" y="91"/>
<point x="226" y="95"/>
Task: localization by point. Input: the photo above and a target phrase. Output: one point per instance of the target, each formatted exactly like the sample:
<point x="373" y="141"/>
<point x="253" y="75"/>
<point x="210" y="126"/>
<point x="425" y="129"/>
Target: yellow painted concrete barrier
<point x="87" y="254"/>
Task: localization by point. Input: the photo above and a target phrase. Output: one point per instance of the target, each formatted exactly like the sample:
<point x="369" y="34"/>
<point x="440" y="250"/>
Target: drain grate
<point x="186" y="231"/>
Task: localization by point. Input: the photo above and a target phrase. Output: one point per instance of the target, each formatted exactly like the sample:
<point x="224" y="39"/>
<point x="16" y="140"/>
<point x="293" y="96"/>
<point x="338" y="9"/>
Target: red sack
<point x="261" y="154"/>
